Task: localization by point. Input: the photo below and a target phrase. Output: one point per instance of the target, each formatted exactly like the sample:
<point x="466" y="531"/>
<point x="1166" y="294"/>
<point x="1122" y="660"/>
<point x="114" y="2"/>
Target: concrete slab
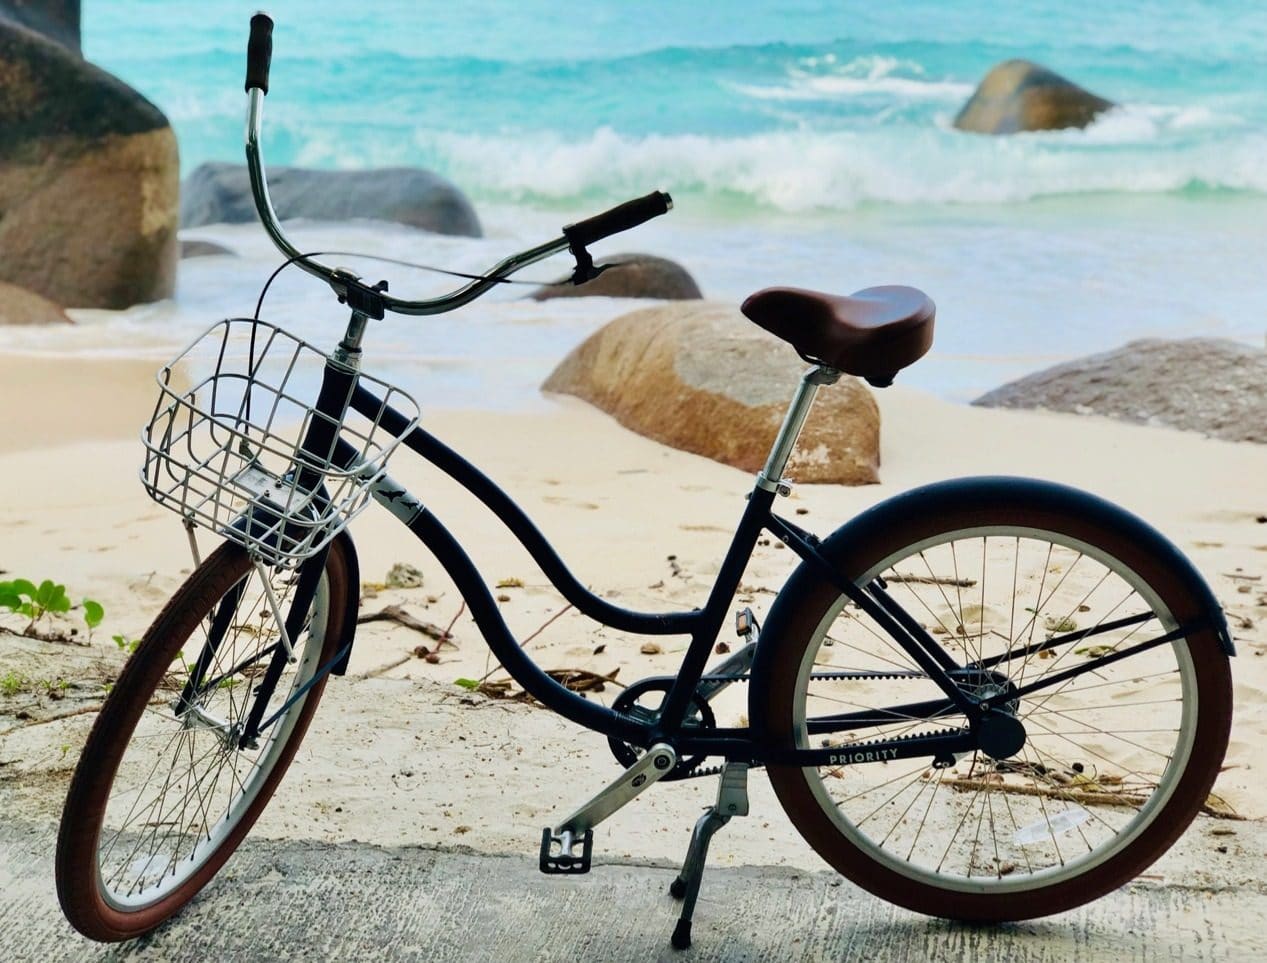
<point x="296" y="900"/>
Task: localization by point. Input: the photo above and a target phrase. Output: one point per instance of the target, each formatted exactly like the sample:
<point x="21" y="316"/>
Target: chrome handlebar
<point x="340" y="280"/>
<point x="373" y="301"/>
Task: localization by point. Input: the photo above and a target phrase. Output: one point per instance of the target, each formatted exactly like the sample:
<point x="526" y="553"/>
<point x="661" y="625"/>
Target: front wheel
<point x="1118" y="758"/>
<point x="167" y="787"/>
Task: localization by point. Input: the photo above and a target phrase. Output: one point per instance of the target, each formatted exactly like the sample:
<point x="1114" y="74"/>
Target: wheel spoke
<point x="179" y="784"/>
<point x="1100" y="749"/>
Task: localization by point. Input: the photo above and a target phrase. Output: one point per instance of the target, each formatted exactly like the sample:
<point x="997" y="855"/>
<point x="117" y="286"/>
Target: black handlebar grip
<point x="620" y="218"/>
<point x="259" y="52"/>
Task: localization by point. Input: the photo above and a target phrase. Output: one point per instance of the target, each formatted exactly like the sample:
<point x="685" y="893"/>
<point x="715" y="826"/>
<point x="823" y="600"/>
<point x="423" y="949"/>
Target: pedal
<point x="559" y="856"/>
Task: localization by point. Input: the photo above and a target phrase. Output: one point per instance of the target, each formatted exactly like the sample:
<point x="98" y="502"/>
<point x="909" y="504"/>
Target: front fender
<point x="352" y="598"/>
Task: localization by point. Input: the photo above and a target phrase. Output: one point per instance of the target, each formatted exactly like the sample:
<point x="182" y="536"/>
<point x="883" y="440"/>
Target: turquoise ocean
<point x="805" y="142"/>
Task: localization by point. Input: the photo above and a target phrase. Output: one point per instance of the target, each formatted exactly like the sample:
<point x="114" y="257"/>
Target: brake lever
<point x="585" y="269"/>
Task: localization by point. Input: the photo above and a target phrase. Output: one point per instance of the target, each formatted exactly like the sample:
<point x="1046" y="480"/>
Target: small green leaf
<point x="9" y="599"/>
<point x="471" y="684"/>
<point x="23" y="587"/>
<point x="93" y="613"/>
<point x="44" y="594"/>
<point x="27" y="609"/>
<point x="59" y="602"/>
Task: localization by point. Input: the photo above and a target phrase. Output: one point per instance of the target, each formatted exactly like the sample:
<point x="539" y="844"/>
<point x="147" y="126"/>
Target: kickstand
<point x="732" y="800"/>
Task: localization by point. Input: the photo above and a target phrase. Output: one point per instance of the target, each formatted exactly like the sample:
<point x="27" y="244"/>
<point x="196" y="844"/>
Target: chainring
<point x="699" y="716"/>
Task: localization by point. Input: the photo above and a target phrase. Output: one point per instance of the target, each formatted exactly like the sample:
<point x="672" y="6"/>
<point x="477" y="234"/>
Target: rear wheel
<point x="164" y="792"/>
<point x="1117" y="760"/>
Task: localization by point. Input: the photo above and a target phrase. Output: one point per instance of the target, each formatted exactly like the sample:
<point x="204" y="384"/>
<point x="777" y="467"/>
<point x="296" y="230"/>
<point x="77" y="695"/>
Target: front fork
<point x="188" y="705"/>
<point x="301" y="603"/>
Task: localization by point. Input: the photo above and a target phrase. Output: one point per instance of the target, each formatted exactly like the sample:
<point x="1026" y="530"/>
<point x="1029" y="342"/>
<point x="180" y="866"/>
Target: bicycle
<point x="958" y="752"/>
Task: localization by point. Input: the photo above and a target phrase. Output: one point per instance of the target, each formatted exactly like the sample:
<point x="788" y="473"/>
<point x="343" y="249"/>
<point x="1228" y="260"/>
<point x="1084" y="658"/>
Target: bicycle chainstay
<point x="699" y="771"/>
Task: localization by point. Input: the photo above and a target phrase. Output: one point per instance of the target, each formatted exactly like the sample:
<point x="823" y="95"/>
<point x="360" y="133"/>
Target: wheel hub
<point x="1000" y="734"/>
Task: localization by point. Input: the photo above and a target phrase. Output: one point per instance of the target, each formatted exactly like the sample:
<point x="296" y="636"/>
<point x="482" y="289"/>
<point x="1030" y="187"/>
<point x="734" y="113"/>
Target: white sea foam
<point x="809" y="87"/>
<point x="804" y="170"/>
<point x="866" y="76"/>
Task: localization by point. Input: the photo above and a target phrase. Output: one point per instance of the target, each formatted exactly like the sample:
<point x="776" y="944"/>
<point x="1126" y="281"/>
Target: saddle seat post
<point x="770" y="478"/>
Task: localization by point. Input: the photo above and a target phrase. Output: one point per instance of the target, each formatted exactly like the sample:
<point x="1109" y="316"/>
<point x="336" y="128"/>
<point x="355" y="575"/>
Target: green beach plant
<point x="93" y="614"/>
<point x="34" y="602"/>
<point x="125" y="644"/>
<point x="41" y="602"/>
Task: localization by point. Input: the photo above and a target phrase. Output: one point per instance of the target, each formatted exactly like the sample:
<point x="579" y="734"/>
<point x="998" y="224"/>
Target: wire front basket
<point x="223" y="449"/>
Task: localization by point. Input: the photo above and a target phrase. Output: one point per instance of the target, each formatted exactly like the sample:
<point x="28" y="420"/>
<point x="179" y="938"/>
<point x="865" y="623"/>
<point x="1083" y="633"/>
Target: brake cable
<point x="259" y="304"/>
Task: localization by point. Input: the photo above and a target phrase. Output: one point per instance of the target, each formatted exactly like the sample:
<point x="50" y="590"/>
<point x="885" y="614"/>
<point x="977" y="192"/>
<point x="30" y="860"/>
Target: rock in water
<point x="20" y="306"/>
<point x="198" y="248"/>
<point x="700" y="377"/>
<point x="1018" y="95"/>
<point x="630" y="276"/>
<point x="1210" y="385"/>
<point x="221" y="194"/>
<point x="58" y="19"/>
<point x="88" y="180"/>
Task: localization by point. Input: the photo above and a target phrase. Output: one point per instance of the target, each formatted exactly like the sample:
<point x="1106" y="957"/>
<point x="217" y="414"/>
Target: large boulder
<point x="699" y="376"/>
<point x="88" y="180"/>
<point x="58" y="19"/>
<point x="1210" y="385"/>
<point x="20" y="306"/>
<point x="630" y="276"/>
<point x="221" y="194"/>
<point x="1018" y="95"/>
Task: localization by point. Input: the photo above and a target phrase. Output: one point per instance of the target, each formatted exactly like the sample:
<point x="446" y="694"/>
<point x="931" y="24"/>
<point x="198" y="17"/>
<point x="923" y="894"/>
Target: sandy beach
<point x="381" y="762"/>
<point x="1086" y="209"/>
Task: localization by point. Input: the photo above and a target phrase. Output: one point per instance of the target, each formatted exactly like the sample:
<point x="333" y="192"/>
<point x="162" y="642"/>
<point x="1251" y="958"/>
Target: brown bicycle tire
<point x="1019" y="504"/>
<point x="77" y="875"/>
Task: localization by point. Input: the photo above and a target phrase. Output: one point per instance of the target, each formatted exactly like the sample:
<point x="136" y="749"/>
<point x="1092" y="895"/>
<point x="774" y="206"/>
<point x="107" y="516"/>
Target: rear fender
<point x="935" y="499"/>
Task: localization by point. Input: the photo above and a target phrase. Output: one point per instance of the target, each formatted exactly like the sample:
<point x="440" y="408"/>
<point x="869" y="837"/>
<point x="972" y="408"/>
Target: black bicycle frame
<point x="702" y="625"/>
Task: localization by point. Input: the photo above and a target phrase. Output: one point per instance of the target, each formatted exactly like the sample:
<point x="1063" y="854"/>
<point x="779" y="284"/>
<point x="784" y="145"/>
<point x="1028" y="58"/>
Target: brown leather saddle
<point x="874" y="333"/>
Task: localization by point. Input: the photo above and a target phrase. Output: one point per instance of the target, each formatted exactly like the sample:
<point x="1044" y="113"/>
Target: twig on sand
<point x="577" y="680"/>
<point x="82" y="710"/>
<point x="30" y="632"/>
<point x="454" y="621"/>
<point x="524" y="644"/>
<point x="380" y="670"/>
<point x="932" y="580"/>
<point x="397" y="614"/>
<point x="1089" y="793"/>
<point x="546" y="624"/>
